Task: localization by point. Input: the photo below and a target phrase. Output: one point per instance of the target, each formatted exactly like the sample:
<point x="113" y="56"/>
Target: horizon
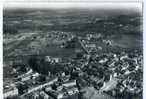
<point x="67" y="5"/>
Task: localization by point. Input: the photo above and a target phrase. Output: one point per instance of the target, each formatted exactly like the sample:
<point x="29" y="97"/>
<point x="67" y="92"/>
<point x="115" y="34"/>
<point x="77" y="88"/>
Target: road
<point x="82" y="45"/>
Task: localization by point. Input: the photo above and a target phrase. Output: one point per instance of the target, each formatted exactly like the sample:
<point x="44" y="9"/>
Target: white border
<point x="1" y="51"/>
<point x="40" y="1"/>
<point x="72" y="0"/>
<point x="144" y="51"/>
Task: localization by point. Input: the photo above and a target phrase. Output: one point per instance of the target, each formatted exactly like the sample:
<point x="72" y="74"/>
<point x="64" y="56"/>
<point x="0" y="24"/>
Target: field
<point x="41" y="32"/>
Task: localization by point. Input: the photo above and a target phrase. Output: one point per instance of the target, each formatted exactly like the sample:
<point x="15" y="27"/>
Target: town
<point x="107" y="74"/>
<point x="73" y="53"/>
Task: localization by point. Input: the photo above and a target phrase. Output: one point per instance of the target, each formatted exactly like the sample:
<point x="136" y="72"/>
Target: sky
<point x="59" y="5"/>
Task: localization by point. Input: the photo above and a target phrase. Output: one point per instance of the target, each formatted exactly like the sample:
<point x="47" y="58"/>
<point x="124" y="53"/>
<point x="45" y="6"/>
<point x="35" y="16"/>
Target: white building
<point x="43" y="85"/>
<point x="10" y="93"/>
<point x="69" y="83"/>
<point x="90" y="45"/>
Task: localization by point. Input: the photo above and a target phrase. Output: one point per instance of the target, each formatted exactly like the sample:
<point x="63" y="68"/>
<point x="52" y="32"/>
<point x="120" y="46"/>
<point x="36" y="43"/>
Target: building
<point x="35" y="96"/>
<point x="69" y="83"/>
<point x="90" y="45"/>
<point x="52" y="59"/>
<point x="43" y="95"/>
<point x="110" y="85"/>
<point x="92" y="93"/>
<point x="64" y="93"/>
<point x="108" y="42"/>
<point x="47" y="58"/>
<point x="72" y="91"/>
<point x="103" y="60"/>
<point x="43" y="85"/>
<point x="55" y="94"/>
<point x="56" y="60"/>
<point x="48" y="88"/>
<point x="11" y="91"/>
<point x="27" y="76"/>
<point x="35" y="75"/>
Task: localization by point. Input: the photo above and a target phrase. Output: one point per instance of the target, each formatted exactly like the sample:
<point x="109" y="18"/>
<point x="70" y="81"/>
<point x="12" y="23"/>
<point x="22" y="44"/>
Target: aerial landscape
<point x="72" y="53"/>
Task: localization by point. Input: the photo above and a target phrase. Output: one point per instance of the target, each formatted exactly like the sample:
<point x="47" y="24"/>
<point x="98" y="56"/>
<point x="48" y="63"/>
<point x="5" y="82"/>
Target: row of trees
<point x="39" y="65"/>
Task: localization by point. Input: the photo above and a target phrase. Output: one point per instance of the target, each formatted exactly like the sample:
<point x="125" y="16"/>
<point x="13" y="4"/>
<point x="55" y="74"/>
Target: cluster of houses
<point x="123" y="72"/>
<point x="54" y="90"/>
<point x="52" y="59"/>
<point x="10" y="91"/>
<point x="103" y="71"/>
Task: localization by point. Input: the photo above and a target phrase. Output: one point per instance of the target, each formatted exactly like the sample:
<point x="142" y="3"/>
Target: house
<point x="27" y="76"/>
<point x="111" y="63"/>
<point x="35" y="75"/>
<point x="103" y="60"/>
<point x="69" y="83"/>
<point x="11" y="91"/>
<point x="48" y="88"/>
<point x="55" y="94"/>
<point x="59" y="88"/>
<point x="43" y="85"/>
<point x="108" y="42"/>
<point x="52" y="59"/>
<point x="65" y="78"/>
<point x="47" y="58"/>
<point x="110" y="85"/>
<point x="90" y="45"/>
<point x="123" y="57"/>
<point x="35" y="96"/>
<point x="64" y="93"/>
<point x="56" y="60"/>
<point x="43" y="95"/>
<point x="72" y="90"/>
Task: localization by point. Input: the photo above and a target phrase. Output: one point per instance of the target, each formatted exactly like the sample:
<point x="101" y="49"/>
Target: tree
<point x="39" y="65"/>
<point x="42" y="78"/>
<point x="33" y="63"/>
<point x="9" y="29"/>
<point x="54" y="86"/>
<point x="21" y="88"/>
